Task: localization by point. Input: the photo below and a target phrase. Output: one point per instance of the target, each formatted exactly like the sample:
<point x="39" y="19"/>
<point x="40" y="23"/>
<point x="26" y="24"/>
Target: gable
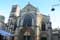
<point x="29" y="7"/>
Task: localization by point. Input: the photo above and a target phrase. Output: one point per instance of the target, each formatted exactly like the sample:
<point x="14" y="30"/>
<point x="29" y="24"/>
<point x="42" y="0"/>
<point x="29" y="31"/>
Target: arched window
<point x="27" y="21"/>
<point x="43" y="26"/>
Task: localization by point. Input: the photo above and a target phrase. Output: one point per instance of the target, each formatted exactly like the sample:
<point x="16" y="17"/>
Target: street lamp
<point x="53" y="9"/>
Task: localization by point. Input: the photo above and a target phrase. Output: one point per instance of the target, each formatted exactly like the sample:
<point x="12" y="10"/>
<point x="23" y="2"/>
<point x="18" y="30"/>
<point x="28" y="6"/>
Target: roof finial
<point x="28" y="2"/>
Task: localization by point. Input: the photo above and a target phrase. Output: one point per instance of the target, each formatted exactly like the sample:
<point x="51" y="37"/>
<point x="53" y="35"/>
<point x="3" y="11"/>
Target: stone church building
<point x="29" y="24"/>
<point x="33" y="25"/>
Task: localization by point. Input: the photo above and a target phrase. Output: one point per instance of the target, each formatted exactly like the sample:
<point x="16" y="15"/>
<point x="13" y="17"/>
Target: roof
<point x="29" y="6"/>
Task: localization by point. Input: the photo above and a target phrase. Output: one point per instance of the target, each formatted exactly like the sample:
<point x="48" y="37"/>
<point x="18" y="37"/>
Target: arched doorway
<point x="27" y="34"/>
<point x="43" y="38"/>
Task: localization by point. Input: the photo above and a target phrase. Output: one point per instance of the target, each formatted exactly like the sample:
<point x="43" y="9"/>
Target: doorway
<point x="43" y="38"/>
<point x="27" y="38"/>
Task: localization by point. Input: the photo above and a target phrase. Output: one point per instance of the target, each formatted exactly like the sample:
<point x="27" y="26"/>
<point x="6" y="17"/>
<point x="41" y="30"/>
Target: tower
<point x="15" y="10"/>
<point x="12" y="21"/>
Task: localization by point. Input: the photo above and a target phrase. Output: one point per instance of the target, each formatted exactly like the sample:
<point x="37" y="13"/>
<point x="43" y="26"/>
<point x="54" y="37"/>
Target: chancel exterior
<point x="29" y="23"/>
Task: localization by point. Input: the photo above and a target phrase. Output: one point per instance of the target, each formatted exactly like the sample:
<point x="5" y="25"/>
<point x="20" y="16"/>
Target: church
<point x="29" y="23"/>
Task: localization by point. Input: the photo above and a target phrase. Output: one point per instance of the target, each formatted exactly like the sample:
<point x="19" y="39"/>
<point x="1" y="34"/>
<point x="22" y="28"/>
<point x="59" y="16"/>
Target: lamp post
<point x="55" y="5"/>
<point x="53" y="9"/>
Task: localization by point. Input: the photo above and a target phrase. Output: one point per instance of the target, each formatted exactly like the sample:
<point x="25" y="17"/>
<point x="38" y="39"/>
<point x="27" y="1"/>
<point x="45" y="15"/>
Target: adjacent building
<point x="2" y="24"/>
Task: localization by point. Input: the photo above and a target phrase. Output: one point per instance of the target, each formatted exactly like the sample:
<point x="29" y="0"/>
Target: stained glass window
<point x="27" y="21"/>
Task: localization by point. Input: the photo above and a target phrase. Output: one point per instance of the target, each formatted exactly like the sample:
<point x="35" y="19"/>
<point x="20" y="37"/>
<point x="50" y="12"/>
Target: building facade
<point x="30" y="24"/>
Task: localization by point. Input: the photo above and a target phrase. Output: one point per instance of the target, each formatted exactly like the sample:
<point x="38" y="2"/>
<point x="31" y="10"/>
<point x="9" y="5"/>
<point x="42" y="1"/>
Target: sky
<point x="44" y="6"/>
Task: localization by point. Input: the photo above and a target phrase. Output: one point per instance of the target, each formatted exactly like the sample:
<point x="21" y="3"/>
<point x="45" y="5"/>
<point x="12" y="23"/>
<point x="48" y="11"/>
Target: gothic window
<point x="27" y="21"/>
<point x="43" y="26"/>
